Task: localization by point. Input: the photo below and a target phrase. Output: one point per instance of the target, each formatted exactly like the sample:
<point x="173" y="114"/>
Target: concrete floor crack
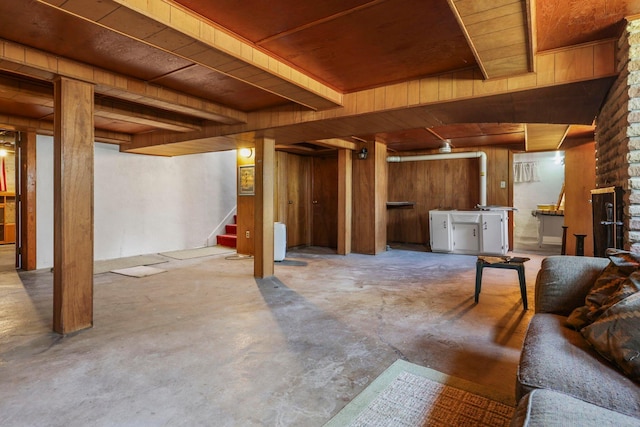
<point x="379" y="327"/>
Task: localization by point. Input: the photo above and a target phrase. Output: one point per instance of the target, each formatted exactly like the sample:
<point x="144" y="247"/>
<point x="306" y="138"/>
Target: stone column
<point x="618" y="134"/>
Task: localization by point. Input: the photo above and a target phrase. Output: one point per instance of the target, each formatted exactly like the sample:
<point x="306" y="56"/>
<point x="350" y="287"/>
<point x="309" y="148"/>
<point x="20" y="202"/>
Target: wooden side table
<point x="511" y="263"/>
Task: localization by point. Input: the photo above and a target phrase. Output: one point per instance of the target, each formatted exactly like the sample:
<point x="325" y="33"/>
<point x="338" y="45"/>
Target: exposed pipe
<point x="465" y="155"/>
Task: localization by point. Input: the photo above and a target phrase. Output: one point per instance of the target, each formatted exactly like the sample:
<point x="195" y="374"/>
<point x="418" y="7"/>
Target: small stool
<point x="514" y="263"/>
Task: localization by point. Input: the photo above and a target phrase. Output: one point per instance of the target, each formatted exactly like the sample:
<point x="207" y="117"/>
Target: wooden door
<point x="298" y="200"/>
<point x="324" y="202"/>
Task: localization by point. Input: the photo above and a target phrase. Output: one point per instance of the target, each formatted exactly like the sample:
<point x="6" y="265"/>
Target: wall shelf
<point x="400" y="205"/>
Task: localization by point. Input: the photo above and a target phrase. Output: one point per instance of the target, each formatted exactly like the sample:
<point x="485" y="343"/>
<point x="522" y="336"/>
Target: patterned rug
<point x="408" y="395"/>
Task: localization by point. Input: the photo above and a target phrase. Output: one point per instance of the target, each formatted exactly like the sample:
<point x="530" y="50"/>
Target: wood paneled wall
<point x="246" y="214"/>
<point x="293" y="197"/>
<point x="580" y="179"/>
<point x="443" y="184"/>
<point x="369" y="234"/>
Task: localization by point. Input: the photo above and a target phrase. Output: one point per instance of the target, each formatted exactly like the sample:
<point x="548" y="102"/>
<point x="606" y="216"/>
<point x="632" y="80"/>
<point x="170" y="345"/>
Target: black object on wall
<point x="608" y="210"/>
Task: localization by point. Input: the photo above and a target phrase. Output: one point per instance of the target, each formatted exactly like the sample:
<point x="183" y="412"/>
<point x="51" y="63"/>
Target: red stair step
<point x="231" y="228"/>
<point x="229" y="240"/>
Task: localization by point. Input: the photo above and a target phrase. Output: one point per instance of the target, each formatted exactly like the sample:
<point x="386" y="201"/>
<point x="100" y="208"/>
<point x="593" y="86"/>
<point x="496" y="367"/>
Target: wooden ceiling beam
<point x="44" y="127"/>
<point x="336" y="143"/>
<point x="127" y="113"/>
<point x="40" y="65"/>
<point x="577" y="73"/>
<point x="193" y="38"/>
<point x="42" y="95"/>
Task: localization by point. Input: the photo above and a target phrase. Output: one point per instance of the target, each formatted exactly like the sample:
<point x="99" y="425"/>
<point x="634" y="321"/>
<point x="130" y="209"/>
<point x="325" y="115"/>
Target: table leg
<point x="479" y="266"/>
<point x="523" y="286"/>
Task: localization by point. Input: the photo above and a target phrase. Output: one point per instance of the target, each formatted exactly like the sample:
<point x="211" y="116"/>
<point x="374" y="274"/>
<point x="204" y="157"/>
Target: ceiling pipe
<point x="466" y="155"/>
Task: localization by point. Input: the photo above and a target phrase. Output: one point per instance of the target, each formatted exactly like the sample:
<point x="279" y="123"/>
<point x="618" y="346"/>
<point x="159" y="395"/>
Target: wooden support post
<point x="264" y="219"/>
<point x="345" y="184"/>
<point x="26" y="249"/>
<point x="73" y="206"/>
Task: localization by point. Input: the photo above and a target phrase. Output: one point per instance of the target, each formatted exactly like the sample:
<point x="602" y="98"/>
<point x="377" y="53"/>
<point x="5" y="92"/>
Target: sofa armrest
<point x="564" y="281"/>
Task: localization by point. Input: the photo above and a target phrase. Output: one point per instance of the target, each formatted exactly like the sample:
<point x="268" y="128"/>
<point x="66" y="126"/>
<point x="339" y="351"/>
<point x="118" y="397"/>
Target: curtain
<point x="525" y="172"/>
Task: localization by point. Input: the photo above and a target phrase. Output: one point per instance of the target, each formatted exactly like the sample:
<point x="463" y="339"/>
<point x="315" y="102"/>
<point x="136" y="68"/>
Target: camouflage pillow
<point x="608" y="289"/>
<point x="605" y="285"/>
<point x="616" y="335"/>
<point x="628" y="262"/>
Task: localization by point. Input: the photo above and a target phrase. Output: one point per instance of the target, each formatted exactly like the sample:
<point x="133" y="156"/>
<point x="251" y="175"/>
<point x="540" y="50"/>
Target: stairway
<point x="230" y="237"/>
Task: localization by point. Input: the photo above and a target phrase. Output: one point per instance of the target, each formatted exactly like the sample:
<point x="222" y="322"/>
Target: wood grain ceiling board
<point x="221" y="89"/>
<point x="209" y="46"/>
<point x="478" y="129"/>
<point x="256" y="20"/>
<point x="544" y="137"/>
<point x="65" y="35"/>
<point x="128" y="127"/>
<point x="390" y="41"/>
<point x="28" y="110"/>
<point x="71" y="37"/>
<point x="570" y="22"/>
<point x="498" y="33"/>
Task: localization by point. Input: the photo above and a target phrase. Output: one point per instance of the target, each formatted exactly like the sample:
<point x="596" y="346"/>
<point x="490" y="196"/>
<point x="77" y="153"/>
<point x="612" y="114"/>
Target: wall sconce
<point x="362" y="154"/>
<point x="3" y="152"/>
<point x="246" y="152"/>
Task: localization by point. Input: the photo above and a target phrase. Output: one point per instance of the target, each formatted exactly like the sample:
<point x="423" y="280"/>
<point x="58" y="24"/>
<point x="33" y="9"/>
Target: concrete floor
<point x="206" y="344"/>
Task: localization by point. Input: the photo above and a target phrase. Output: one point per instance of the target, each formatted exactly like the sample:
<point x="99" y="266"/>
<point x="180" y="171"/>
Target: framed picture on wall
<point x="246" y="180"/>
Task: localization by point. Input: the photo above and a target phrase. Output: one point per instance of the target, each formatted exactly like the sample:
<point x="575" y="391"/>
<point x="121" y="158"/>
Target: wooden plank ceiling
<point x="188" y="76"/>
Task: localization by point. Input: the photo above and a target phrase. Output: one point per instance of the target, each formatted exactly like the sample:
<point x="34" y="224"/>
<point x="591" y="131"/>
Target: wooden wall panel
<point x="442" y="184"/>
<point x="298" y="195"/>
<point x="345" y="200"/>
<point x="580" y="179"/>
<point x="324" y="202"/>
<point x="246" y="214"/>
<point x="381" y="197"/>
<point x="370" y="179"/>
<point x="27" y="186"/>
<point x="363" y="205"/>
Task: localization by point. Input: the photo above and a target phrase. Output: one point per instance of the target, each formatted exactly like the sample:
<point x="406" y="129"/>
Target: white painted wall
<point x="44" y="202"/>
<point x="528" y="195"/>
<point x="143" y="204"/>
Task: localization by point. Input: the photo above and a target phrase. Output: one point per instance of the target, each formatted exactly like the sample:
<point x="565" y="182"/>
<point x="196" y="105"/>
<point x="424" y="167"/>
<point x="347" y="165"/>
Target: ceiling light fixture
<point x="246" y="152"/>
<point x="446" y="146"/>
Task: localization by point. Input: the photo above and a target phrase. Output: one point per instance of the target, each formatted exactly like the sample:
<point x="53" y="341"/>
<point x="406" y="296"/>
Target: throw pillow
<point x="604" y="286"/>
<point x="609" y="288"/>
<point x="616" y="335"/>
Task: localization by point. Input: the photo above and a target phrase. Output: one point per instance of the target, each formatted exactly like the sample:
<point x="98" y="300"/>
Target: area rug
<point x="408" y="395"/>
<point x="139" y="271"/>
<point x="199" y="252"/>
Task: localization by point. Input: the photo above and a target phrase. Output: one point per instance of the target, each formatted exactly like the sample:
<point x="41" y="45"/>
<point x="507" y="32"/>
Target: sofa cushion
<point x="558" y="358"/>
<point x="547" y="408"/>
<point x="616" y="335"/>
<point x="564" y="281"/>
